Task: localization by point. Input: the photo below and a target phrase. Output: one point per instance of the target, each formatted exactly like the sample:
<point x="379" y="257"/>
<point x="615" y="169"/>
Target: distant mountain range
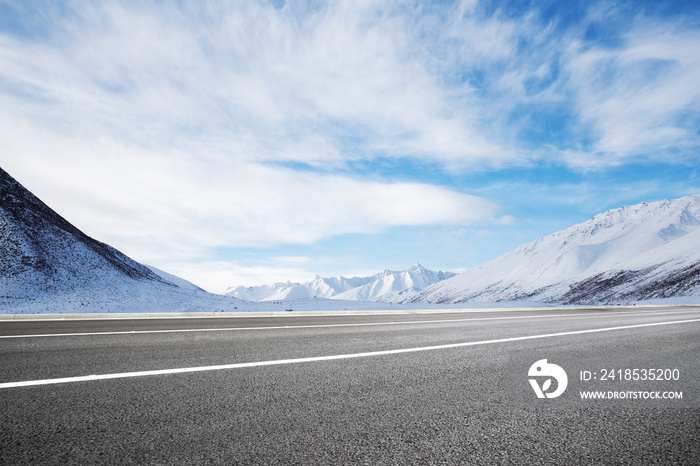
<point x="387" y="286"/>
<point x="633" y="253"/>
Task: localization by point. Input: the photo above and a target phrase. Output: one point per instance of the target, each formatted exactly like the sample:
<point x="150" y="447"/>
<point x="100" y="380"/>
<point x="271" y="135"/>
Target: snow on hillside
<point x="48" y="265"/>
<point x="386" y="286"/>
<point x="647" y="252"/>
<point x="43" y="253"/>
<point x="174" y="279"/>
<point x="640" y="252"/>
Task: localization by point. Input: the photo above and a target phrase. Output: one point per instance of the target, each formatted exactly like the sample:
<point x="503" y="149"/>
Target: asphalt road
<point x="447" y="388"/>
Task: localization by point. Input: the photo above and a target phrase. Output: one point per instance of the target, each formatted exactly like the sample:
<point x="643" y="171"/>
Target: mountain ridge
<point x="639" y="252"/>
<point x="40" y="245"/>
<point x="47" y="265"/>
<point x="384" y="286"/>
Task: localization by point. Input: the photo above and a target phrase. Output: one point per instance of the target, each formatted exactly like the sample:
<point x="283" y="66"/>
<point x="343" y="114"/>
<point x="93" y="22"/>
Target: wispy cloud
<point x="169" y="125"/>
<point x="641" y="99"/>
<point x="325" y="84"/>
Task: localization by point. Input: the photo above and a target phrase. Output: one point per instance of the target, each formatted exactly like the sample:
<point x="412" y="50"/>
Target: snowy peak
<point x="417" y="268"/>
<point x="385" y="286"/>
<point x="663" y="217"/>
<point x="630" y="253"/>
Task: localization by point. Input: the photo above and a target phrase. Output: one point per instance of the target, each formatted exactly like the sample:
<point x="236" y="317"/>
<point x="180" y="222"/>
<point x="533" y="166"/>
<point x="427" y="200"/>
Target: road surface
<point x="437" y="388"/>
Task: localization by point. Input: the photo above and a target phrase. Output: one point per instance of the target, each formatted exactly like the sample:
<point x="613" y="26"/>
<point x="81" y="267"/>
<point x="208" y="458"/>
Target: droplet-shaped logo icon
<point x="546" y="372"/>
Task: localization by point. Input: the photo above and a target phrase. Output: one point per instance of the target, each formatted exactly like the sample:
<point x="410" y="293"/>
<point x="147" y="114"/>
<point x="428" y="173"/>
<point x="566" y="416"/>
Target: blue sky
<point x="238" y="143"/>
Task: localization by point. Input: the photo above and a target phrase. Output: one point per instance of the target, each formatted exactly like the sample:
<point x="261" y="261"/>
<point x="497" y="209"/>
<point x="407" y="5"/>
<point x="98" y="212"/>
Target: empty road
<point x="384" y="388"/>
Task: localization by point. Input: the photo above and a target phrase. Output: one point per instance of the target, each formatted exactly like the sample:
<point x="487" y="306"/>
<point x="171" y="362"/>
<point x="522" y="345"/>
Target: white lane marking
<point x="183" y="370"/>
<point x="284" y="327"/>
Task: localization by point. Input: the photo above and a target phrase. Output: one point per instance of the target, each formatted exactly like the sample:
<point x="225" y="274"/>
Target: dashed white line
<point x="183" y="370"/>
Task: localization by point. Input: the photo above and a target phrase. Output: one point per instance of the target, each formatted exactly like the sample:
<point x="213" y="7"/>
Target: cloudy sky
<point x="243" y="142"/>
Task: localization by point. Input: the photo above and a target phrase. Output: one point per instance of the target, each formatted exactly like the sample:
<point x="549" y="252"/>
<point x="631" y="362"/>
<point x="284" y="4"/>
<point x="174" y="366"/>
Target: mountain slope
<point x="174" y="279"/>
<point x="386" y="286"/>
<point x="40" y="248"/>
<point x="633" y="253"/>
<point x="49" y="265"/>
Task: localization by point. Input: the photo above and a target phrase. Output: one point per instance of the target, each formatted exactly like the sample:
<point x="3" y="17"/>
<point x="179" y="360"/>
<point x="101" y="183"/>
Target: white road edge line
<point x="284" y="327"/>
<point x="183" y="370"/>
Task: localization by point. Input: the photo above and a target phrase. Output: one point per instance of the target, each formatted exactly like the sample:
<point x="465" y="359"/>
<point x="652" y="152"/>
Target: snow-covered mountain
<point x="49" y="265"/>
<point x="640" y="252"/>
<point x="387" y="286"/>
<point x="42" y="252"/>
<point x="633" y="253"/>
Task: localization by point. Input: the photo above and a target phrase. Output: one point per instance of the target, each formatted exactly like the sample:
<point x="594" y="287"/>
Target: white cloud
<point x="156" y="136"/>
<point x="268" y="84"/>
<point x="152" y="204"/>
<point x="636" y="97"/>
<point x="336" y="82"/>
